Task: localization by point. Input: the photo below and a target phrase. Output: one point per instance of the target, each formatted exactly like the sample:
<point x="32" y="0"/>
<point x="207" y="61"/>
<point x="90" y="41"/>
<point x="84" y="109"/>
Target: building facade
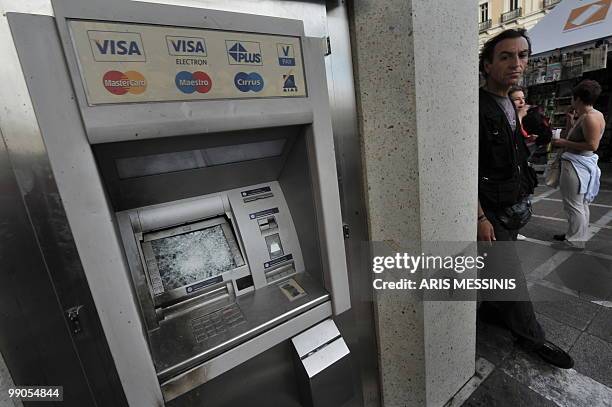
<point x="495" y="16"/>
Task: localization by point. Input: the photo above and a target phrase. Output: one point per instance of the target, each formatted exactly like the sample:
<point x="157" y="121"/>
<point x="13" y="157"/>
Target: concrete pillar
<point x="416" y="78"/>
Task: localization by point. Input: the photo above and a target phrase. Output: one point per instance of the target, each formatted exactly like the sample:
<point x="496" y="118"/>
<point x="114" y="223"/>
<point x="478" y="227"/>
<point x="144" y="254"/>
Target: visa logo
<point x="116" y="46"/>
<point x="192" y="46"/>
<point x="243" y="53"/>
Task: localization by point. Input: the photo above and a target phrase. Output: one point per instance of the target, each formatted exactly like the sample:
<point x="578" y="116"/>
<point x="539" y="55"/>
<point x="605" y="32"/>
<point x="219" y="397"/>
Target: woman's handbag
<point x="552" y="173"/>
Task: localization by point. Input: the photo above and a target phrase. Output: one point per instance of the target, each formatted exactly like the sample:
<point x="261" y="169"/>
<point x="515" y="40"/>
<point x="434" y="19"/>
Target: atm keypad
<point x="217" y="323"/>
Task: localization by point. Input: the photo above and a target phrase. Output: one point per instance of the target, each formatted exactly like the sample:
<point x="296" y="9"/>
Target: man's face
<point x="510" y="58"/>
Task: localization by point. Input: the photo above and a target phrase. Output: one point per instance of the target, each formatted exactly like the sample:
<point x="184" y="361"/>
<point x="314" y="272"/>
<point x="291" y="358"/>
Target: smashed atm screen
<point x="194" y="256"/>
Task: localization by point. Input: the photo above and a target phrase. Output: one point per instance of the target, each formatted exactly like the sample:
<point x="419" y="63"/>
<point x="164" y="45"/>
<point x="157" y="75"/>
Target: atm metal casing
<point x="108" y="230"/>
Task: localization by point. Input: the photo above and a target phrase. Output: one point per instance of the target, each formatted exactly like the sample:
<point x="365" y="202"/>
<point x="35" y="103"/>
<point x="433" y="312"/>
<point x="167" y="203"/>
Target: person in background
<point x="579" y="181"/>
<point x="517" y="95"/>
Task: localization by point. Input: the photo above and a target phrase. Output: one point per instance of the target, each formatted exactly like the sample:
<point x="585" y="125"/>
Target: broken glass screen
<point x="194" y="256"/>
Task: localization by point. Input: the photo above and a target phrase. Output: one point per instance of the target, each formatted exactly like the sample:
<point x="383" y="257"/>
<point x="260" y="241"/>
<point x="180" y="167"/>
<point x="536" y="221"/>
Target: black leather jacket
<point x="504" y="176"/>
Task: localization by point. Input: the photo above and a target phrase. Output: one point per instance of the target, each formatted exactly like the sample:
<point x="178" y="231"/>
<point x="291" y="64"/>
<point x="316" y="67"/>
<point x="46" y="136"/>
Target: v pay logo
<point x="111" y="46"/>
<point x="286" y="54"/>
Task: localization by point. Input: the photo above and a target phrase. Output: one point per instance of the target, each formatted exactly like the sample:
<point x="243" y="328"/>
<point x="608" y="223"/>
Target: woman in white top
<point x="579" y="182"/>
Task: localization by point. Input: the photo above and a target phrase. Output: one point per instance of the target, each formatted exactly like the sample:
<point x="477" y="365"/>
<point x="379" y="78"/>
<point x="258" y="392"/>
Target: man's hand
<point x="486" y="232"/>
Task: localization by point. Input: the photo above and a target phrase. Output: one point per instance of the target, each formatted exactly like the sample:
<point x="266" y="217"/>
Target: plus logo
<point x="243" y="53"/>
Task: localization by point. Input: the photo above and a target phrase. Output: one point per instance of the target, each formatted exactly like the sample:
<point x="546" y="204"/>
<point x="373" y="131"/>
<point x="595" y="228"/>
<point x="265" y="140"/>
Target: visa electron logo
<point x="188" y="82"/>
<point x="192" y="46"/>
<point x="116" y="46"/>
<point x="119" y="83"/>
<point x="248" y="81"/>
<point x="286" y="54"/>
<point x="243" y="53"/>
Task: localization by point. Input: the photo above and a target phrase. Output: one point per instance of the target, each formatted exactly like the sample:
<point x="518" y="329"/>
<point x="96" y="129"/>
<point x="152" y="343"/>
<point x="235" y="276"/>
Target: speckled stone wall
<point x="416" y="82"/>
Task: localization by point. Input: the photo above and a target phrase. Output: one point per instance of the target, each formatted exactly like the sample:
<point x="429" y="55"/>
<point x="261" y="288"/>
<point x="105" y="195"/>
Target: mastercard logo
<point x="119" y="83"/>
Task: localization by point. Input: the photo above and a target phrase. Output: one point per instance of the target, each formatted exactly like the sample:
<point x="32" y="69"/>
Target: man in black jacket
<point x="504" y="180"/>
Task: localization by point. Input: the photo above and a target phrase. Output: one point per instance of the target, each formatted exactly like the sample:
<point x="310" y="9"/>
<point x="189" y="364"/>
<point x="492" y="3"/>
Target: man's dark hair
<point x="516" y="89"/>
<point x="488" y="50"/>
<point x="587" y="91"/>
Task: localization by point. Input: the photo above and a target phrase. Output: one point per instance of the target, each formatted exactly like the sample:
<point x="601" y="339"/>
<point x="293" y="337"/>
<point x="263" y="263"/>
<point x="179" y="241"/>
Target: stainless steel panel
<point x="296" y="182"/>
<point x="42" y="275"/>
<point x="48" y="95"/>
<point x="323" y="365"/>
<point x="327" y="199"/>
<point x="357" y="326"/>
<point x="240" y="354"/>
<point x="150" y="190"/>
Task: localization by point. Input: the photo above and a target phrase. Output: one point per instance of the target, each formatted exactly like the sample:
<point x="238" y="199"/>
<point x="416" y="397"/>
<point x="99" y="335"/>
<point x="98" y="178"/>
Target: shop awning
<point x="572" y="22"/>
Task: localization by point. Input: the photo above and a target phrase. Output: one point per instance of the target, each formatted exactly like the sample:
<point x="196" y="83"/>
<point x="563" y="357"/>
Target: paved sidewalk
<point x="572" y="295"/>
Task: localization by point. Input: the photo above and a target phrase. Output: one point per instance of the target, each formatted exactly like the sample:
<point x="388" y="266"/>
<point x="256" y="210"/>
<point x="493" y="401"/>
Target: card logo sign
<point x="286" y="54"/>
<point x="248" y="82"/>
<point x="289" y="83"/>
<point x="110" y="46"/>
<point x="188" y="82"/>
<point x="588" y="14"/>
<point x="119" y="83"/>
<point x="186" y="46"/>
<point x="243" y="53"/>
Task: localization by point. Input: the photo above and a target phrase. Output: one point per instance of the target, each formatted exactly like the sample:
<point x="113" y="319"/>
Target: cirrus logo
<point x="248" y="81"/>
<point x="119" y="83"/>
<point x="188" y="82"/>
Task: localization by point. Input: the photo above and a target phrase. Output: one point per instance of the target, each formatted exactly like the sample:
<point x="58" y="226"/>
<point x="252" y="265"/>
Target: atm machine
<point x="194" y="157"/>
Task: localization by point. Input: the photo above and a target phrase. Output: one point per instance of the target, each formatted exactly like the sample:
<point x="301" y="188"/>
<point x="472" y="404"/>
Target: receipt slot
<point x="194" y="156"/>
<point x="322" y="359"/>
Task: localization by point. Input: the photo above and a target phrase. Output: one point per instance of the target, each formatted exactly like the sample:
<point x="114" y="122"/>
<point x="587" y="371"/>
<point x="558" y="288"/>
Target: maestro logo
<point x="286" y="54"/>
<point x="188" y="82"/>
<point x="248" y="81"/>
<point x="243" y="53"/>
<point x="111" y="46"/>
<point x="119" y="83"/>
